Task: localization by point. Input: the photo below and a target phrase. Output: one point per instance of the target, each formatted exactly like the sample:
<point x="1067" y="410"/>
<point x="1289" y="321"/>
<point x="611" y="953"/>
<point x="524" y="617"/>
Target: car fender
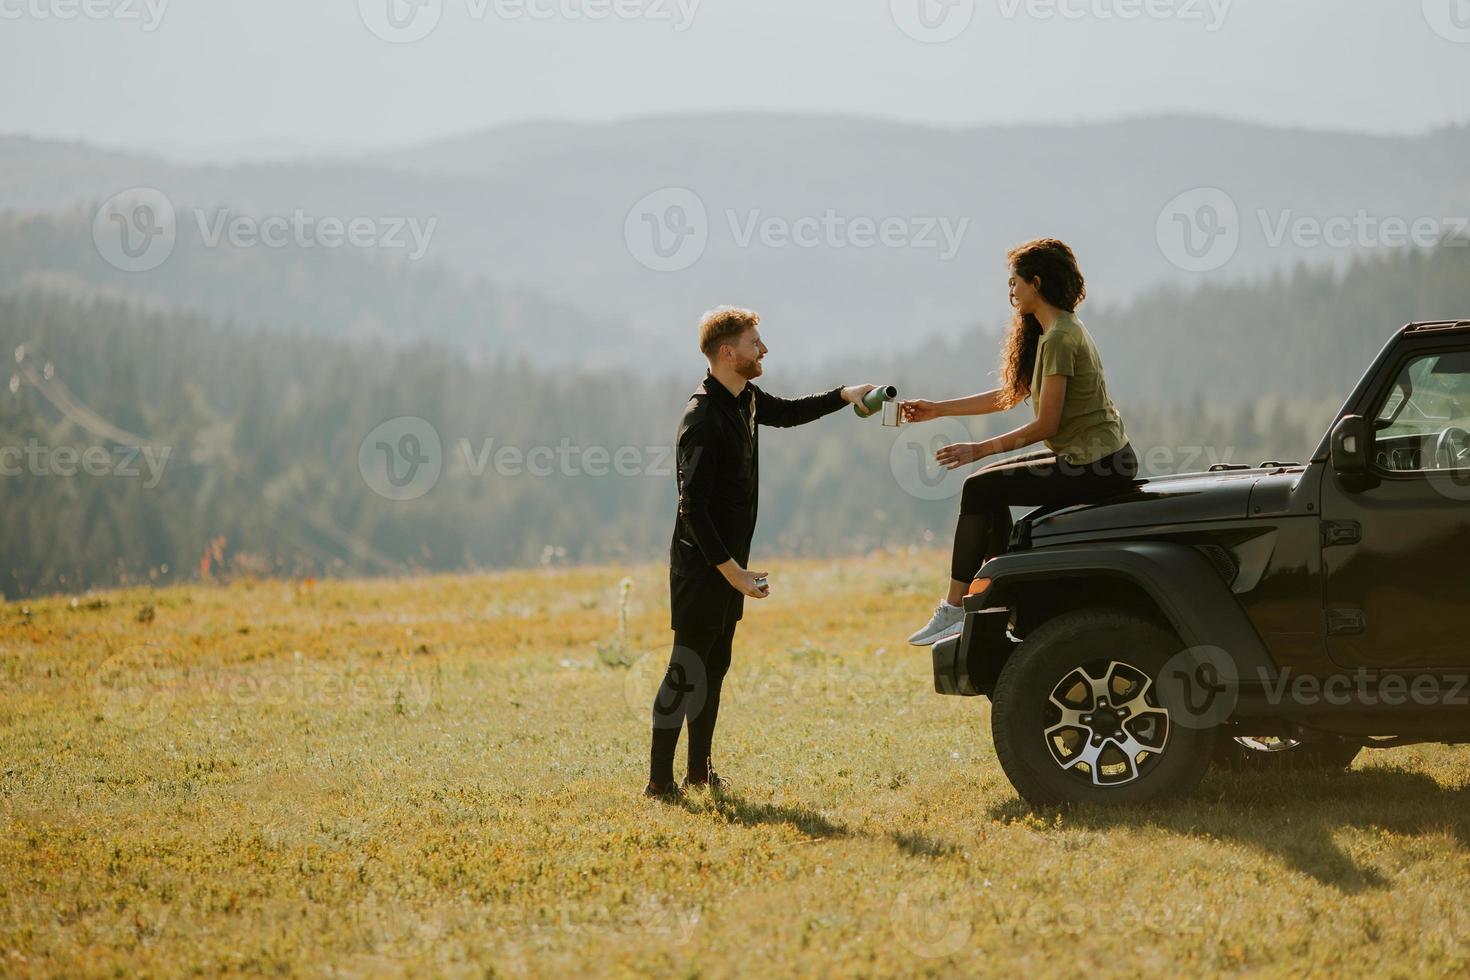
<point x="1182" y="583"/>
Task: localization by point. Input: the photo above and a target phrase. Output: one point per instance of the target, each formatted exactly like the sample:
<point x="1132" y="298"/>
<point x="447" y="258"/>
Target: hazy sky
<point x="225" y="78"/>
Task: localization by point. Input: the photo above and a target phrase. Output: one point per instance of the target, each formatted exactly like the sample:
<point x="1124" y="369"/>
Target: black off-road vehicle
<point x="1283" y="615"/>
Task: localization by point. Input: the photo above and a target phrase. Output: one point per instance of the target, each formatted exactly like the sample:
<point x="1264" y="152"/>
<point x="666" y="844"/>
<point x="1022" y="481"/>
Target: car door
<point x="1396" y="544"/>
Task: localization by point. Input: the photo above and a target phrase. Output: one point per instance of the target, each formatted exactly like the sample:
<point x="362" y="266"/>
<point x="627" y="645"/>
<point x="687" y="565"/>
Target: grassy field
<point x="441" y="776"/>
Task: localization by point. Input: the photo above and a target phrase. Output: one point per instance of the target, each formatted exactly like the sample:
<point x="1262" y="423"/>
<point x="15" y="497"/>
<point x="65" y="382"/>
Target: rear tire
<point x="1327" y="754"/>
<point x="1079" y="717"/>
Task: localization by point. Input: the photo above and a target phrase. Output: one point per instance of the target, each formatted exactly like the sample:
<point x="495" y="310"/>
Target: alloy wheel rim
<point x="1104" y="724"/>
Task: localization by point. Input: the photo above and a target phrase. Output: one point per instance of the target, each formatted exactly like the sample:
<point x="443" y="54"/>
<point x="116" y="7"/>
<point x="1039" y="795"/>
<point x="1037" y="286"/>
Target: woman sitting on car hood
<point x="1049" y="359"/>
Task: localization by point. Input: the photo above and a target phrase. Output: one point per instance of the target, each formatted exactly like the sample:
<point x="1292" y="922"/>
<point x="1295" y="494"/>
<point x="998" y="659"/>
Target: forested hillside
<point x="246" y="441"/>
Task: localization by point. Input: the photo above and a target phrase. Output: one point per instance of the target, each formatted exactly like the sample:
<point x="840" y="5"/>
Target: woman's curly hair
<point x="1061" y="285"/>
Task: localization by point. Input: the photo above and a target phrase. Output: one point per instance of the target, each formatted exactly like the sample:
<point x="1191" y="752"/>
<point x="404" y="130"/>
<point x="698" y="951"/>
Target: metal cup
<point x="892" y="415"/>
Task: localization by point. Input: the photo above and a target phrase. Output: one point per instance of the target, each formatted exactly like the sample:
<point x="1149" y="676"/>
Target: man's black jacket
<point x="718" y="474"/>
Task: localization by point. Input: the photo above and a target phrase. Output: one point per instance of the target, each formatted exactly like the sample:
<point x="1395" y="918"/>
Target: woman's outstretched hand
<point x="918" y="410"/>
<point x="960" y="454"/>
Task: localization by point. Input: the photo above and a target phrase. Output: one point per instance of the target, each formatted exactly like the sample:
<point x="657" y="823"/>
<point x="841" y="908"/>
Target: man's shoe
<point x="716" y="784"/>
<point x="669" y="792"/>
<point x="947" y="621"/>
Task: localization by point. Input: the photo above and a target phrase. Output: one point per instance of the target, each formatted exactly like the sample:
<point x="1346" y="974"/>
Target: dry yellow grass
<point x="440" y="776"/>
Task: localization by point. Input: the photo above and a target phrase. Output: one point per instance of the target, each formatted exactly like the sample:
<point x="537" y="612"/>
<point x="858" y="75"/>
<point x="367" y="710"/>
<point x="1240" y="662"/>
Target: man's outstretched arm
<point x="787" y="412"/>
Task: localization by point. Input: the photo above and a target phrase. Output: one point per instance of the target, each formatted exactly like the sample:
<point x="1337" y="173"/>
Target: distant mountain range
<point x="563" y="218"/>
<point x="343" y="293"/>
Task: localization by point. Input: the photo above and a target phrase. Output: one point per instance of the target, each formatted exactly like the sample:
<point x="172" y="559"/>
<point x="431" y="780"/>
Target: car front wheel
<point x="1079" y="715"/>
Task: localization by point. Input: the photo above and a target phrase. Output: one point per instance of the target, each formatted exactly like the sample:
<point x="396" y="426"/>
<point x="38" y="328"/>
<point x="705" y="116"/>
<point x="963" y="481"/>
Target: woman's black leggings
<point x="984" y="528"/>
<point x="690" y="692"/>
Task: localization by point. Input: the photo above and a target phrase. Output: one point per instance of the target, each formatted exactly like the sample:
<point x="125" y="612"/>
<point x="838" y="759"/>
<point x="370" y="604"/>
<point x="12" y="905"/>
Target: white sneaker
<point x="948" y="620"/>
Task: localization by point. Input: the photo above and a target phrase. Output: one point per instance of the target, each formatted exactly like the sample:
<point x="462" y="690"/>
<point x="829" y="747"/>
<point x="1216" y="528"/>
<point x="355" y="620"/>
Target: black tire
<point x="1325" y="754"/>
<point x="1092" y="651"/>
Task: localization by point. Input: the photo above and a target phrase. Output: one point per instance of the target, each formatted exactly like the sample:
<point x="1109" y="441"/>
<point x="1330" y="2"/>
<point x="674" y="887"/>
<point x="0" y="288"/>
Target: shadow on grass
<point x="750" y="814"/>
<point x="815" y="825"/>
<point x="1291" y="816"/>
<point x="922" y="845"/>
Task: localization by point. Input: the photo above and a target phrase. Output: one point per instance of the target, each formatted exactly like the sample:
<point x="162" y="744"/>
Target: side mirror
<point x="1351" y="443"/>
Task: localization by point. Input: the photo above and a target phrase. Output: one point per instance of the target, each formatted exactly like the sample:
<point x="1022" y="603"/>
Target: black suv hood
<point x="1181" y="499"/>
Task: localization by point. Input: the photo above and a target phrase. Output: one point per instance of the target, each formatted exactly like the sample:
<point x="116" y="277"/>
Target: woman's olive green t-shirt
<point x="1091" y="427"/>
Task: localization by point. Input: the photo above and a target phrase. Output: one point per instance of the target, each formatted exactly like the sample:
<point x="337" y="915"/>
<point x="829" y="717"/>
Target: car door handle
<point x="1341" y="532"/>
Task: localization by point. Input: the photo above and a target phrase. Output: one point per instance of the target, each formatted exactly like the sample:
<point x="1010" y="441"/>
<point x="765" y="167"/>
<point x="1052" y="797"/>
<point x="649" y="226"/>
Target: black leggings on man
<point x="1040" y="479"/>
<point x="690" y="692"/>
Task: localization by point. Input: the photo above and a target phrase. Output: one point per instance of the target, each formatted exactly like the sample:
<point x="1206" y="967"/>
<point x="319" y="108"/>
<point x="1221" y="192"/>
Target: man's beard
<point x="750" y="369"/>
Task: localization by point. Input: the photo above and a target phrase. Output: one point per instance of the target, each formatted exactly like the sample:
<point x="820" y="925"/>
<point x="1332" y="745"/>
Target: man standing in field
<point x="708" y="578"/>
